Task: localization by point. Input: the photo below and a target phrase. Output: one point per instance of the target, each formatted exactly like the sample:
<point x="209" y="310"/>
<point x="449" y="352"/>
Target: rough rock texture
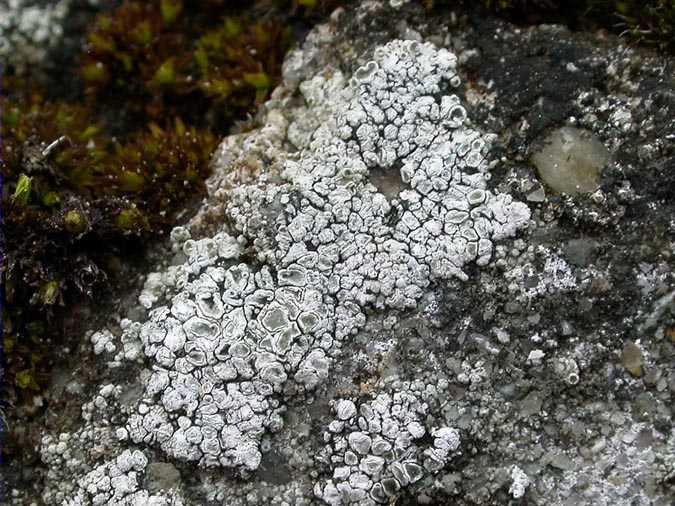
<point x="380" y="302"/>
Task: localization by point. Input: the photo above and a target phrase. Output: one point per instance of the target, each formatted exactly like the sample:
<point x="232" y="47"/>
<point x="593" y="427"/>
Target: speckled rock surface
<point x="380" y="302"/>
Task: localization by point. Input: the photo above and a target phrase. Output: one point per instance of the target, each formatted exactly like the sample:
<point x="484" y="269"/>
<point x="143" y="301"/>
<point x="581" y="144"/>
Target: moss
<point x="26" y="379"/>
<point x="48" y="293"/>
<point x="51" y="199"/>
<point x="22" y="191"/>
<point x="131" y="182"/>
<point x="179" y="59"/>
<point x="170" y="10"/>
<point x="131" y="221"/>
<point x="165" y="75"/>
<point x="75" y="222"/>
<point x="651" y="23"/>
<point x="95" y="73"/>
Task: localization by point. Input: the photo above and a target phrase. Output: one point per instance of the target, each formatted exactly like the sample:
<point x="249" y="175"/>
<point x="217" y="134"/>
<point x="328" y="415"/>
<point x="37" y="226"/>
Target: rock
<point x="560" y="461"/>
<point x="631" y="359"/>
<point x="580" y="252"/>
<point x="531" y="405"/>
<point x="161" y="476"/>
<point x="570" y="160"/>
<point x="538" y="194"/>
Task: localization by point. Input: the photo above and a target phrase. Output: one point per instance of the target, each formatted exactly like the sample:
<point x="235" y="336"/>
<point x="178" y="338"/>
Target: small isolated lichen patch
<point x="570" y="160"/>
<point x="233" y="341"/>
<point x="527" y="281"/>
<point x="119" y="483"/>
<point x="376" y="451"/>
<point x="103" y="341"/>
<point x="519" y="482"/>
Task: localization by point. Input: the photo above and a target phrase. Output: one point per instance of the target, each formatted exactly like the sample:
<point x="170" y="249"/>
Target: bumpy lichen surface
<point x="237" y="338"/>
<point x="28" y="30"/>
<point x="118" y="483"/>
<point x="373" y="451"/>
<point x="257" y="313"/>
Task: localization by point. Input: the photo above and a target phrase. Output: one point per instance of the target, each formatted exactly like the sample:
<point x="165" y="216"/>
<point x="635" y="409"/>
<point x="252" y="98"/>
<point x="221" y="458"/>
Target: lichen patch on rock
<point x="365" y="310"/>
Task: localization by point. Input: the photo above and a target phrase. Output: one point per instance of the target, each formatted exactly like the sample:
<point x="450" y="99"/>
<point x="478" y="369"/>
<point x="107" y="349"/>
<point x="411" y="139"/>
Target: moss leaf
<point x="22" y="192"/>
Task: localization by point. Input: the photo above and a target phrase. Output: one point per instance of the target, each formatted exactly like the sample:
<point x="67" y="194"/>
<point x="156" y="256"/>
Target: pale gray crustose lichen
<point x="28" y="30"/>
<point x="373" y="451"/>
<point x="119" y="483"/>
<point x="235" y="340"/>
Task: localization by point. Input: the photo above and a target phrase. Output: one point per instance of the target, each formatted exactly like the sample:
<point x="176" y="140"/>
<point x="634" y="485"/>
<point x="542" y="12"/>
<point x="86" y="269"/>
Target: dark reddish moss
<point x="161" y="58"/>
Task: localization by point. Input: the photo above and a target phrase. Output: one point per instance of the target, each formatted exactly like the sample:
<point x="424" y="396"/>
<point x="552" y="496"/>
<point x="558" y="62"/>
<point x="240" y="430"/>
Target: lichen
<point x="374" y="452"/>
<point x="28" y="31"/>
<point x="234" y="339"/>
<point x="297" y="254"/>
<point x="119" y="483"/>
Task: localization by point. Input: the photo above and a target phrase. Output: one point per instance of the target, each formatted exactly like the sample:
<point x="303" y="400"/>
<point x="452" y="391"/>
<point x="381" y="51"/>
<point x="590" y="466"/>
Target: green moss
<point x="26" y="379"/>
<point x="8" y="344"/>
<point x="51" y="199"/>
<point x="100" y="42"/>
<point x="165" y="74"/>
<point x="22" y="191"/>
<point x="231" y="28"/>
<point x="10" y="116"/>
<point x="143" y="33"/>
<point x="131" y="221"/>
<point x="650" y="22"/>
<point x="191" y="60"/>
<point x="170" y="10"/>
<point x="259" y="80"/>
<point x="75" y="222"/>
<point x="130" y="181"/>
<point x="49" y="293"/>
<point x="95" y="73"/>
